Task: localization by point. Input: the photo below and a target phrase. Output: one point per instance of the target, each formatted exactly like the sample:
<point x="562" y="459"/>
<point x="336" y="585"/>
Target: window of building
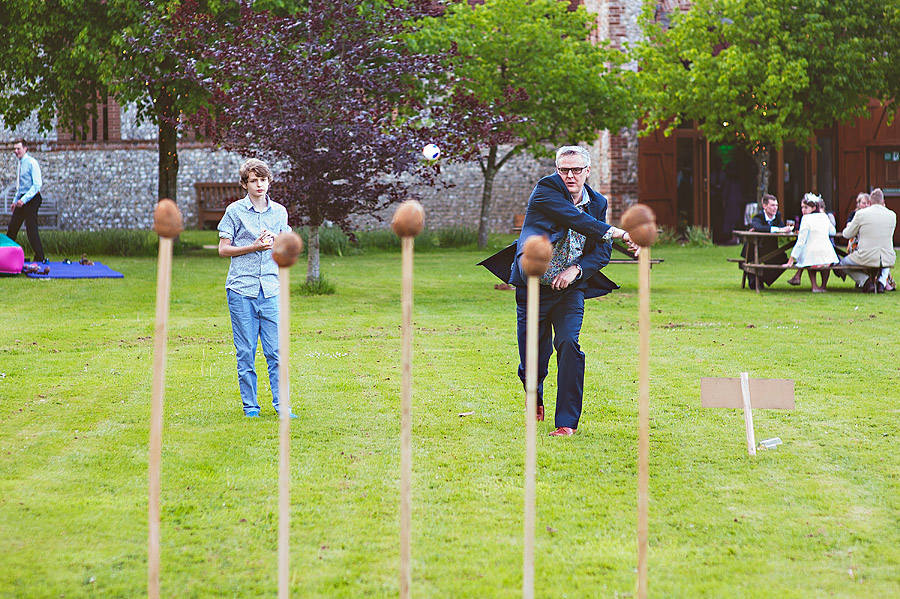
<point x="105" y="126"/>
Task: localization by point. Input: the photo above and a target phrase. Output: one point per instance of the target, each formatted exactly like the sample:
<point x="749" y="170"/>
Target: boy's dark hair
<point x="258" y="167"/>
<point x="768" y="197"/>
<point x="22" y="141"/>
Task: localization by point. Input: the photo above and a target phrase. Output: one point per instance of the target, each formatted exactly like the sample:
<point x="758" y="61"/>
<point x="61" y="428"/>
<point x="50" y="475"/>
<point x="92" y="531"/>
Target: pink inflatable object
<point x="12" y="258"/>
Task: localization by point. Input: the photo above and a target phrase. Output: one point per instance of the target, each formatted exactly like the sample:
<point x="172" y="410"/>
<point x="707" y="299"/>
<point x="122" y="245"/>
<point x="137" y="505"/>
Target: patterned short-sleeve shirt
<point x="242" y="224"/>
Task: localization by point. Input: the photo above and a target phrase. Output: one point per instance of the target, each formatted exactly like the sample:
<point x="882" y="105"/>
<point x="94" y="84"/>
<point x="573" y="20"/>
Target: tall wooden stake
<point x="407" y="244"/>
<point x="643" y="417"/>
<point x="640" y="222"/>
<point x="163" y="287"/>
<point x="407" y="223"/>
<point x="167" y="222"/>
<point x="286" y="249"/>
<point x="284" y="404"/>
<point x="531" y="362"/>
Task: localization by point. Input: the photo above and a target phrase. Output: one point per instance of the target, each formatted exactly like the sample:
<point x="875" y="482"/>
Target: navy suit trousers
<point x="559" y="324"/>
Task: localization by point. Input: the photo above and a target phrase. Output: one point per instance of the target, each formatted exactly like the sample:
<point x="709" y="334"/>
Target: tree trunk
<point x="167" y="144"/>
<point x="312" y="260"/>
<point x="489" y="171"/>
<point x="762" y="173"/>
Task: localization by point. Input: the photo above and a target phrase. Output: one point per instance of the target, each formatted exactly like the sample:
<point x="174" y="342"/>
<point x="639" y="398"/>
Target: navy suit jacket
<point x="760" y="225"/>
<point x="551" y="212"/>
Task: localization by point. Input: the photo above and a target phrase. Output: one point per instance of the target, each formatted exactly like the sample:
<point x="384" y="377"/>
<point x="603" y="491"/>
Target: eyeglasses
<point x="575" y="170"/>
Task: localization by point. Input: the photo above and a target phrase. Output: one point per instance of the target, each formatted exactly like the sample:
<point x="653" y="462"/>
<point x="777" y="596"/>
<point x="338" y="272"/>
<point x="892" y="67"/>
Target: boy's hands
<point x="265" y="240"/>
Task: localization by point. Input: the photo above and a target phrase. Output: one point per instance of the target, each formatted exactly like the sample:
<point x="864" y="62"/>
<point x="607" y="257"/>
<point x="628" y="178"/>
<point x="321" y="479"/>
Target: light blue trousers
<point x="254" y="318"/>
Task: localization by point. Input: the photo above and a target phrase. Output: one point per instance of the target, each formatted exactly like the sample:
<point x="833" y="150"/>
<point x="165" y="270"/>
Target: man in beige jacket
<point x="874" y="226"/>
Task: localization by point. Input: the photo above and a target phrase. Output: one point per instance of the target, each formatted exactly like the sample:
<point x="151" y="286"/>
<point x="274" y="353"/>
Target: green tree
<point x="762" y="72"/>
<point x="330" y="95"/>
<point x="526" y="76"/>
<point x="60" y="58"/>
<point x="50" y="59"/>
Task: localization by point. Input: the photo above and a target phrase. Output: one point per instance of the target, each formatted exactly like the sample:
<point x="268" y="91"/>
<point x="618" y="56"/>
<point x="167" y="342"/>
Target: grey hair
<point x="569" y="150"/>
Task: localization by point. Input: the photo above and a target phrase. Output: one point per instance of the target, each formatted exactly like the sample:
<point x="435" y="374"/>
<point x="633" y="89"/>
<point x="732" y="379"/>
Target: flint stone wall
<point x="459" y="204"/>
<point x="115" y="186"/>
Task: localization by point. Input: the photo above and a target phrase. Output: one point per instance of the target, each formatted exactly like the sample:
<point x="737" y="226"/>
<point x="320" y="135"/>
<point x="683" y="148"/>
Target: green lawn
<point x="815" y="518"/>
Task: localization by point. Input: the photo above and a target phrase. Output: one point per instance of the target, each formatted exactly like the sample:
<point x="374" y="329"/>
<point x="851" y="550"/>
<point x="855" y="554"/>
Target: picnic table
<point x="755" y="258"/>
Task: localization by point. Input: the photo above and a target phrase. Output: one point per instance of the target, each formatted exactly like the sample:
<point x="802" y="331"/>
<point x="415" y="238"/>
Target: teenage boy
<point x="246" y="234"/>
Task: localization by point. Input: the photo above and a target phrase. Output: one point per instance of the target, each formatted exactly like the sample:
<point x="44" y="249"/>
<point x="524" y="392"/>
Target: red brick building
<point x="678" y="175"/>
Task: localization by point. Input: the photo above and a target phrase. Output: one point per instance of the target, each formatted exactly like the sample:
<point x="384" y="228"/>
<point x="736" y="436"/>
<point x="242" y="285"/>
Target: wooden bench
<point x="48" y="213"/>
<point x="619" y="246"/>
<point x="213" y="199"/>
<point x="518" y="221"/>
<point x="872" y="271"/>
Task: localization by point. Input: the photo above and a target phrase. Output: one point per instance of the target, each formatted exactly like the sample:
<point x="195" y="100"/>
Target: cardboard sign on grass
<point x="747" y="393"/>
<point x="766" y="394"/>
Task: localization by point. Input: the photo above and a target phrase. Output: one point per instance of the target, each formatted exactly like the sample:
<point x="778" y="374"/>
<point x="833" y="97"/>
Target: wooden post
<point x="284" y="462"/>
<point x="407" y="224"/>
<point x="531" y="362"/>
<point x="285" y="251"/>
<point x="164" y="278"/>
<point x="168" y="224"/>
<point x="643" y="417"/>
<point x="406" y="419"/>
<point x="536" y="254"/>
<point x="748" y="414"/>
<point x="640" y="222"/>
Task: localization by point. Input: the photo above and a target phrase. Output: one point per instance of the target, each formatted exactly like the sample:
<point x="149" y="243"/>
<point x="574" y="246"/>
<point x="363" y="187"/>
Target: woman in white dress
<point x="814" y="247"/>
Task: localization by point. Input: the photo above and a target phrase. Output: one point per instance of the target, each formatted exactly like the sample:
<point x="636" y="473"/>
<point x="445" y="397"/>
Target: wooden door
<point x="657" y="177"/>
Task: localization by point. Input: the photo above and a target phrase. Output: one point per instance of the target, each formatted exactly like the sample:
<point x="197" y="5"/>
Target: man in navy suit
<point x="571" y="215"/>
<point x="768" y="221"/>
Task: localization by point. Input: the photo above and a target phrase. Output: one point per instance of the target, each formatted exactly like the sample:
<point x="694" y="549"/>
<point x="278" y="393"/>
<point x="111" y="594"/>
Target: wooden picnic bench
<point x="213" y="199"/>
<point x="518" y="221"/>
<point x="753" y="264"/>
<point x="48" y="213"/>
<point x="620" y="247"/>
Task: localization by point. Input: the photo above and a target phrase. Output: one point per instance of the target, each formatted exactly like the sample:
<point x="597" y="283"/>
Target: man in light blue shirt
<point x="27" y="200"/>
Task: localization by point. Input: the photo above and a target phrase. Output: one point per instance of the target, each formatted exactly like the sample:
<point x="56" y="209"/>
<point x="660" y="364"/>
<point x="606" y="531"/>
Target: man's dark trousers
<point x="28" y="213"/>
<point x="559" y="324"/>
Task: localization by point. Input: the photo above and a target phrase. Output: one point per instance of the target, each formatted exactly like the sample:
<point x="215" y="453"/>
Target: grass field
<point x="815" y="518"/>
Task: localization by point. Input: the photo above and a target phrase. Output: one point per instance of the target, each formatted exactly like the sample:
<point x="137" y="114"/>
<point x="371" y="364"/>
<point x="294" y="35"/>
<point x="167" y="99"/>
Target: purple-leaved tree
<point x="331" y="97"/>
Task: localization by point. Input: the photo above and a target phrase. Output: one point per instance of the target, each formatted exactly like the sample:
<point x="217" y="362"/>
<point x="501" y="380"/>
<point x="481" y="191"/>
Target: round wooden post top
<point x="408" y="219"/>
<point x="640" y="222"/>
<point x="286" y="249"/>
<point x="167" y="221"/>
<point x="536" y="255"/>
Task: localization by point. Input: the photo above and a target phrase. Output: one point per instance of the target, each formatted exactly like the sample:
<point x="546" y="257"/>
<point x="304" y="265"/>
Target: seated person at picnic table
<point x="768" y="221"/>
<point x="874" y="226"/>
<point x="862" y="201"/>
<point x="813" y="247"/>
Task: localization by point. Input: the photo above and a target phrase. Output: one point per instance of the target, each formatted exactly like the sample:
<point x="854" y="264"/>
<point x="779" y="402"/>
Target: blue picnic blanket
<point x="61" y="270"/>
